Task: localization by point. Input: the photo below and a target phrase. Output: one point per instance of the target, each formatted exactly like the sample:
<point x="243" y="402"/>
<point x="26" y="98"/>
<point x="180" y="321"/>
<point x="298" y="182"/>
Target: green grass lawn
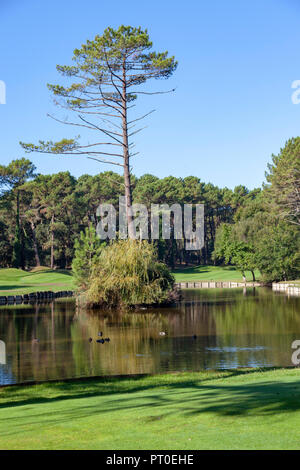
<point x="296" y="282"/>
<point x="212" y="273"/>
<point x="205" y="410"/>
<point x="17" y="282"/>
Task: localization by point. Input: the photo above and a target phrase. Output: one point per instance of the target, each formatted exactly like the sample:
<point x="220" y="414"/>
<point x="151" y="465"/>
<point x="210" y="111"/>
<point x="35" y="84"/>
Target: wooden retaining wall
<point x="33" y="297"/>
<point x="287" y="287"/>
<point x="215" y="284"/>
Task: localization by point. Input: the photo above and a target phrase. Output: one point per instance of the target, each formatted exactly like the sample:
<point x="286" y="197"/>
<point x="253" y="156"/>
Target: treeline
<point x="265" y="233"/>
<point x="42" y="215"/>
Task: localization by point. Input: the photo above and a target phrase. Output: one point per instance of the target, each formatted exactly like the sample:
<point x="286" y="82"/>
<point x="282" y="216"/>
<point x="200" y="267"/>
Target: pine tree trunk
<point x="127" y="182"/>
<point x="22" y="238"/>
<point x="52" y="244"/>
<point x="35" y="247"/>
<point x="17" y="248"/>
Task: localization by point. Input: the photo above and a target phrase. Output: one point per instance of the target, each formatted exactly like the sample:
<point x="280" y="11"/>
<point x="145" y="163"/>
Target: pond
<point x="209" y="329"/>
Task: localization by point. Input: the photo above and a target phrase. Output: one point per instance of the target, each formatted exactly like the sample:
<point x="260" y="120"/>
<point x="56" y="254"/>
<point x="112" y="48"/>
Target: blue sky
<point x="232" y="107"/>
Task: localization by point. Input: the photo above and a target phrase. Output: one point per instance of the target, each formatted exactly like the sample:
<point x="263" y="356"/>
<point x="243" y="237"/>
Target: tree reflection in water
<point x="233" y="328"/>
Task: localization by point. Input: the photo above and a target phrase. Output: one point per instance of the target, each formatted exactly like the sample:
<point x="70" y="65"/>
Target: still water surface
<point x="234" y="328"/>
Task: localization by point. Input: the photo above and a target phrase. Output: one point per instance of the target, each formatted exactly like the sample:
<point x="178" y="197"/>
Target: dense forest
<point x="41" y="216"/>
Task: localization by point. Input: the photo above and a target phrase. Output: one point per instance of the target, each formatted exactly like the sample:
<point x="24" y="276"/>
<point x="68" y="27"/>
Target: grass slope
<point x="296" y="282"/>
<point x="15" y="281"/>
<point x="212" y="273"/>
<point x="205" y="410"/>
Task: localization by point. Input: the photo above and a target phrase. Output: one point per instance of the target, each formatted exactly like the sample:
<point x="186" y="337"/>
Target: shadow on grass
<point x="180" y="396"/>
<point x="8" y="288"/>
<point x="202" y="269"/>
<point x="190" y="271"/>
<point x="50" y="271"/>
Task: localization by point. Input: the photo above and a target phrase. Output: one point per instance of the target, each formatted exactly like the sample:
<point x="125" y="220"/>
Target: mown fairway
<point x="212" y="273"/>
<point x="206" y="410"/>
<point x="15" y="281"/>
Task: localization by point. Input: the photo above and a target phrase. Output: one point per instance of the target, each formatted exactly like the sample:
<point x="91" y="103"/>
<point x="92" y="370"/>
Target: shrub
<point x="127" y="273"/>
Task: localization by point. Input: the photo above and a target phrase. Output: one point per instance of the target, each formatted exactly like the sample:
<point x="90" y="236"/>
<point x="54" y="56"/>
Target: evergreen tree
<point x="87" y="250"/>
<point x="13" y="176"/>
<point x="106" y="73"/>
<point x="283" y="177"/>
